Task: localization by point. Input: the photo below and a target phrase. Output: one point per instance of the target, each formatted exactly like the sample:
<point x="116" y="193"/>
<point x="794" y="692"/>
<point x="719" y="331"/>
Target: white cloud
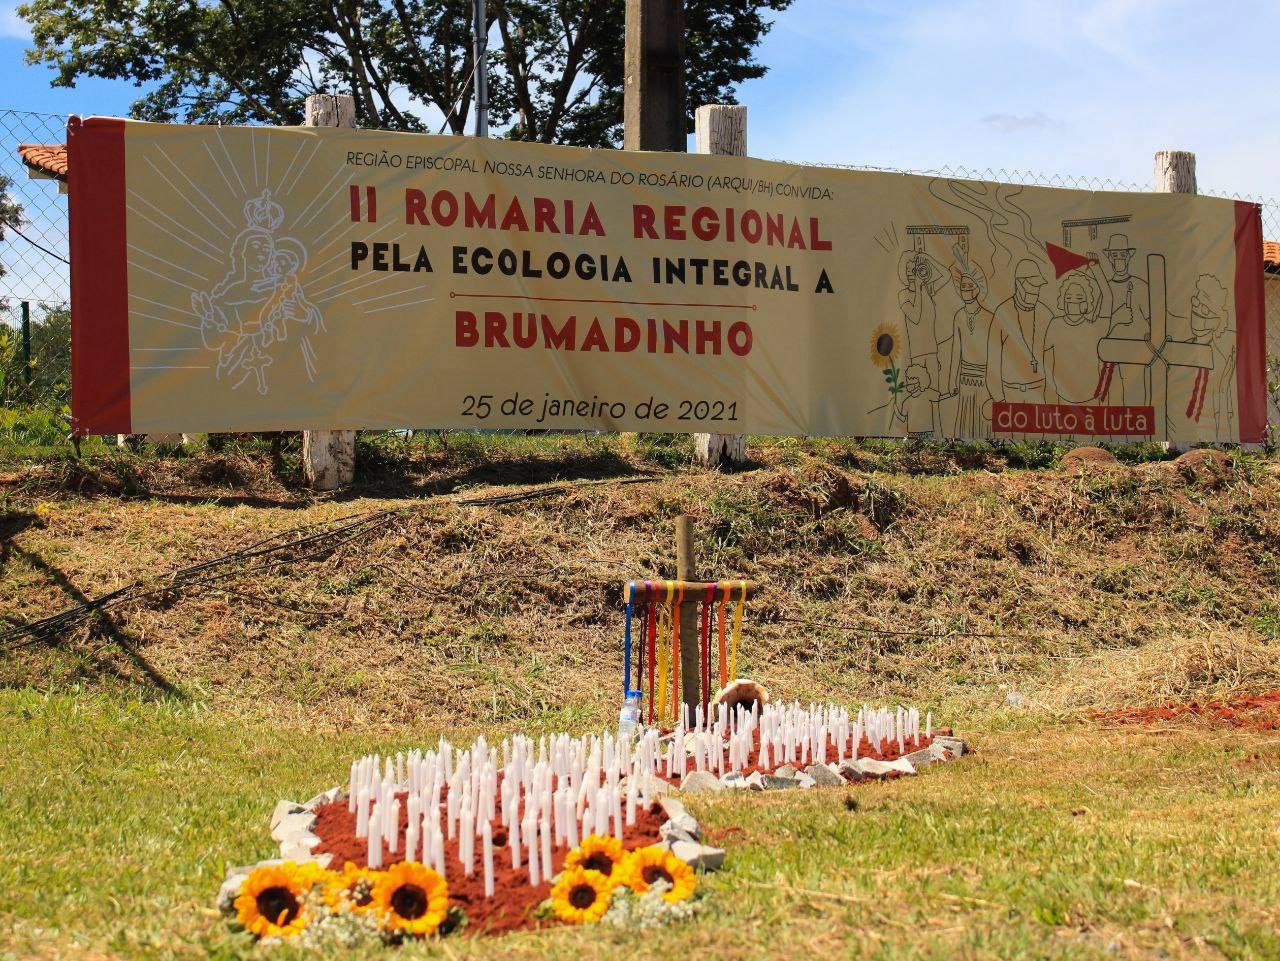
<point x="1091" y="87"/>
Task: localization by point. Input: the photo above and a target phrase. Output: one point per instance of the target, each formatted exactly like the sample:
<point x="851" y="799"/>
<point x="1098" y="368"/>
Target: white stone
<point x="873" y="768"/>
<point x="283" y="809"/>
<point x="754" y="781"/>
<point x="326" y="797"/>
<point x="292" y="825"/>
<point x="823" y="776"/>
<point x="803" y="780"/>
<point x="298" y="847"/>
<point x="696" y="782"/>
<point x="699" y="856"/>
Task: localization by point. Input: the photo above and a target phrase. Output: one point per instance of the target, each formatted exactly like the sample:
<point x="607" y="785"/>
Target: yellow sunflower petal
<point x="412" y="898"/>
<point x="581" y="896"/>
<point x="598" y="853"/>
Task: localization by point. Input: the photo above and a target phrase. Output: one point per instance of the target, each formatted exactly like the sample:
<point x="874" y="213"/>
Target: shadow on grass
<point x="136" y="670"/>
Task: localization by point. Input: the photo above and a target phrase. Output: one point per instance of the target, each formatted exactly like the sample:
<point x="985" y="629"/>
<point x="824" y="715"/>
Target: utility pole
<point x="479" y="50"/>
<point x="653" y="101"/>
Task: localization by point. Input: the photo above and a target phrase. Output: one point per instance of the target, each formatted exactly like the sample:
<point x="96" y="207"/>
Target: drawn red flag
<point x="1064" y="260"/>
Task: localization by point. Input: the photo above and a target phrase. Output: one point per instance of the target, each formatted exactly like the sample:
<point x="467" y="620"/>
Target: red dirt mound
<point x="1080" y="459"/>
<point x="1258" y="712"/>
<point x="1204" y="466"/>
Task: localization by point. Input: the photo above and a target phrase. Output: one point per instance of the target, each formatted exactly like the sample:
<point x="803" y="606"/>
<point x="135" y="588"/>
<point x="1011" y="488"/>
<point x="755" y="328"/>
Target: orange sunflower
<point x="597" y="853"/>
<point x="353" y="887"/>
<point x="885" y="344"/>
<point x="411" y="897"/>
<point x="270" y="900"/>
<point x="581" y="896"/>
<point x="646" y="866"/>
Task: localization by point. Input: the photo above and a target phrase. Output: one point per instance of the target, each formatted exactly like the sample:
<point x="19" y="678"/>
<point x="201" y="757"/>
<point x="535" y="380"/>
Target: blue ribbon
<point x="626" y="659"/>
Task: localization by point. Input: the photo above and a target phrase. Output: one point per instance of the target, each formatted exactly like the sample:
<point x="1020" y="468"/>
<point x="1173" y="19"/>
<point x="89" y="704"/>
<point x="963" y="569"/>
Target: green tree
<point x="556" y="66"/>
<point x="10" y="211"/>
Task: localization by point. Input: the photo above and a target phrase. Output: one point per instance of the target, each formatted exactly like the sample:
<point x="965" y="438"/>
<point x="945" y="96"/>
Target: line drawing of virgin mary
<point x="251" y="308"/>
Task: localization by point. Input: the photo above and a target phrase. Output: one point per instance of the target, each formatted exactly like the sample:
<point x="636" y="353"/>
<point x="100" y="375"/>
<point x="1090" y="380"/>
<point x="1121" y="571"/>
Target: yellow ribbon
<point x="664" y="655"/>
<point x="737" y="631"/>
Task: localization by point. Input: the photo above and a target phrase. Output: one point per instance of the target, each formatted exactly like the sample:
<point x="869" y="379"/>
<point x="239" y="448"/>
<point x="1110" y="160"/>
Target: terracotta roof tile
<point x="1271" y="255"/>
<point x="47" y="158"/>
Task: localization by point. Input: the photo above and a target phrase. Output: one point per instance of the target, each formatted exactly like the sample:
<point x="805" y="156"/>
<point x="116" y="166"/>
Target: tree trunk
<point x="1175" y="172"/>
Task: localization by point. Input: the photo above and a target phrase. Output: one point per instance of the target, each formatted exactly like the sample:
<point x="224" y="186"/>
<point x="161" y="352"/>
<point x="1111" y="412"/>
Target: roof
<point x="49" y="159"/>
<point x="1271" y="256"/>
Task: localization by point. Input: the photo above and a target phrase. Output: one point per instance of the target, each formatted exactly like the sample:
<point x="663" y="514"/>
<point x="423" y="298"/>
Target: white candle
<point x="545" y="835"/>
<point x="373" y="852"/>
<point x="513" y="839"/>
<point x="535" y="873"/>
<point x="486" y="834"/>
<point x="362" y="814"/>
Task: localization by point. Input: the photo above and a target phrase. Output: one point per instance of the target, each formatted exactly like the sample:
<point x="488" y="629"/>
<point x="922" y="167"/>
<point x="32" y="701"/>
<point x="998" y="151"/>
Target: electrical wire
<point x="296" y="545"/>
<point x="38" y="246"/>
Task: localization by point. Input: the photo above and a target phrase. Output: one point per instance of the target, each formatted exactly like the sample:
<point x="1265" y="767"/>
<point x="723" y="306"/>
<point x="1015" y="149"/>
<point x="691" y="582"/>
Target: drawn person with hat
<point x="1131" y="318"/>
<point x="922" y="279"/>
<point x="1018" y="330"/>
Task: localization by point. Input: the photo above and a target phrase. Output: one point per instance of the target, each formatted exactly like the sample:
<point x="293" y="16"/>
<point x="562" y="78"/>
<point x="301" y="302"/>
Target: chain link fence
<point x="34" y="283"/>
<point x="35" y="319"/>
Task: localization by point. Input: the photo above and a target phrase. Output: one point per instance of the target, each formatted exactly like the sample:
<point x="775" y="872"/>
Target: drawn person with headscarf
<point x="970" y="342"/>
<point x="1071" y="344"/>
<point x="1211" y="324"/>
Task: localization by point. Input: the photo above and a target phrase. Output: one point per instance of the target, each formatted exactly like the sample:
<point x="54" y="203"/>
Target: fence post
<point x="1175" y="173"/>
<point x="26" y="342"/>
<point x="721" y="129"/>
<point x="329" y="456"/>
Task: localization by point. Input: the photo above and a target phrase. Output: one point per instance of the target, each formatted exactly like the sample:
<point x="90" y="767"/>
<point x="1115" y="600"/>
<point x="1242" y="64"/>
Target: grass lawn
<point x="1054" y="841"/>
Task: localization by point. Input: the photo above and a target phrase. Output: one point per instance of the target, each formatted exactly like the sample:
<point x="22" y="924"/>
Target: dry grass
<point x="1049" y="581"/>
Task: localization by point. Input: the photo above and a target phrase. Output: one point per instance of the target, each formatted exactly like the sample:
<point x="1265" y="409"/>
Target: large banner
<point x="235" y="278"/>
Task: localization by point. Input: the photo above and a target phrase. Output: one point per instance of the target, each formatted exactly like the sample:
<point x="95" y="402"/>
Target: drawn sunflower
<point x="885" y="344"/>
<point x="353" y="888"/>
<point x="581" y="896"/>
<point x="597" y="853"/>
<point x="646" y="866"/>
<point x="411" y="897"/>
<point x="270" y="900"/>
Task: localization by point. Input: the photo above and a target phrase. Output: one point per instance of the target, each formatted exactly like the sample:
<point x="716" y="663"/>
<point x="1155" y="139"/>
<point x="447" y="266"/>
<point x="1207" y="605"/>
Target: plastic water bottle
<point x="629" y="716"/>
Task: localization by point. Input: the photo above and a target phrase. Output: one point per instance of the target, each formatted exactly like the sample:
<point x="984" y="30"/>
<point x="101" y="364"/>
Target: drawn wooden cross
<point x="1157" y="352"/>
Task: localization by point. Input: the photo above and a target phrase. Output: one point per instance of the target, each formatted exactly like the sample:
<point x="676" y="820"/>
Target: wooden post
<point x="653" y="98"/>
<point x="1175" y="173"/>
<point x="329" y="456"/>
<point x="690" y="641"/>
<point x="721" y="129"/>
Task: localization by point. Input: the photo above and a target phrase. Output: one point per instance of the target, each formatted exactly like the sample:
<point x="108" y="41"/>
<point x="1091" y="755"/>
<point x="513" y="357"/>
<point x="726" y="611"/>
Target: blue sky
<point x="1082" y="87"/>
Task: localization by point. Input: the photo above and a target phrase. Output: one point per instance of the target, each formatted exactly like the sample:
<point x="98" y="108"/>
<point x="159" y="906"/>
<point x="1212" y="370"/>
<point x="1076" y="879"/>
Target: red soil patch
<point x="1259" y="712"/>
<point x="511" y="907"/>
<point x="1088" y="458"/>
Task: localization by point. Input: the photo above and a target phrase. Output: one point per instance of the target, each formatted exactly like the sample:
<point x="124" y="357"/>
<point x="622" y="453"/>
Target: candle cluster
<point x="457" y="809"/>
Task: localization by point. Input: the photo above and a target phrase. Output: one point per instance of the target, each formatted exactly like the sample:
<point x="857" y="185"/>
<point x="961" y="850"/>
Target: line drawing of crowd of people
<point x="1040" y="345"/>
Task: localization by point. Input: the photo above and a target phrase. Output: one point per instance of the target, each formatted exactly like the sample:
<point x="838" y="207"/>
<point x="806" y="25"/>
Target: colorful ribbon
<point x="737" y="631"/>
<point x="626" y="656"/>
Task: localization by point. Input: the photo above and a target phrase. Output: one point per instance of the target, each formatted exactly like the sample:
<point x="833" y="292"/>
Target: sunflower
<point x="581" y="895"/>
<point x="353" y="887"/>
<point x="597" y="853"/>
<point x="411" y="897"/>
<point x="646" y="866"/>
<point x="885" y="344"/>
<point x="270" y="901"/>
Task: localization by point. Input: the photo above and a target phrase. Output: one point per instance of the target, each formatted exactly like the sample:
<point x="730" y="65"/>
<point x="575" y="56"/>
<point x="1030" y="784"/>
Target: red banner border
<point x="100" y="401"/>
<point x="1251" y="325"/>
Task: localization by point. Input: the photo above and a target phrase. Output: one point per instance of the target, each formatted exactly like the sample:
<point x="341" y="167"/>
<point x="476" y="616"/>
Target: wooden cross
<point x="1157" y="352"/>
